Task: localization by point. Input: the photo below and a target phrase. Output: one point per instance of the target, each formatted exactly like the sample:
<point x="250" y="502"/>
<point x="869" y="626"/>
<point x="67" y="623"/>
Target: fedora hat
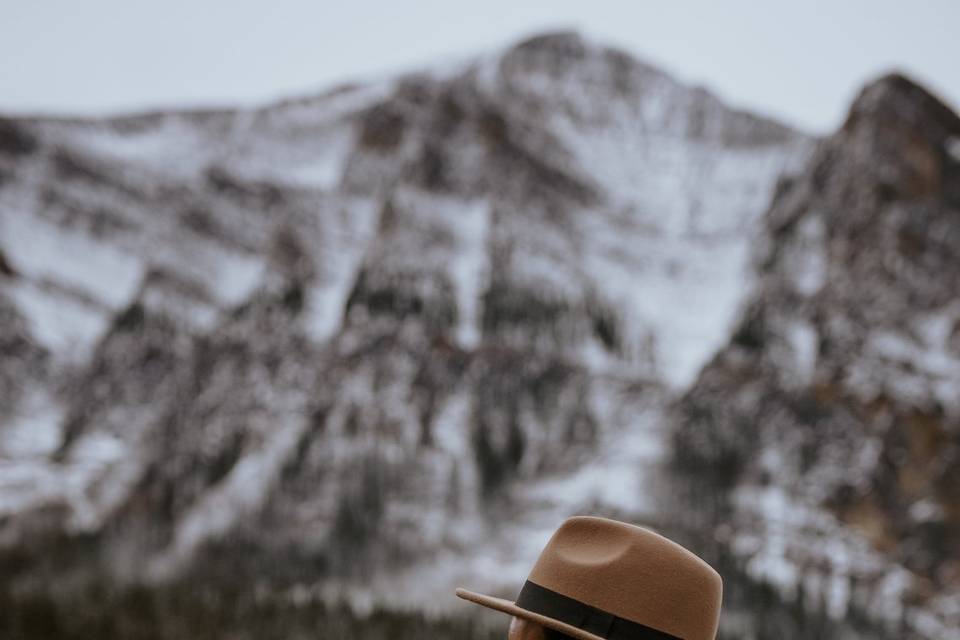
<point x="600" y="579"/>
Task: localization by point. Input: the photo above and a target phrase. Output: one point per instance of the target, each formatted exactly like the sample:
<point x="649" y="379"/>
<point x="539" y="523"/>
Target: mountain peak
<point x="896" y="100"/>
<point x="561" y="42"/>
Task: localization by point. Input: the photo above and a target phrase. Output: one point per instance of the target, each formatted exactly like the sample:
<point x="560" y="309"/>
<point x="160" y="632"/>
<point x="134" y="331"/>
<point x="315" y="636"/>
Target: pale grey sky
<point x="800" y="61"/>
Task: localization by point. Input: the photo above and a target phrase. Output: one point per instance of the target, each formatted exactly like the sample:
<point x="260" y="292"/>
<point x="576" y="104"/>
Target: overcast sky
<point x="801" y="61"/>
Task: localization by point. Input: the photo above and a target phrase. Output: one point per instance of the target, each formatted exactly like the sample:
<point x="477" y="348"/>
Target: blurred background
<point x="310" y="314"/>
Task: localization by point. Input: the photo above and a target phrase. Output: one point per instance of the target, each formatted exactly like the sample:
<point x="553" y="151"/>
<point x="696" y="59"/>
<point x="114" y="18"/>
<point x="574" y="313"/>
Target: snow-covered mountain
<point x="829" y="427"/>
<point x="338" y="341"/>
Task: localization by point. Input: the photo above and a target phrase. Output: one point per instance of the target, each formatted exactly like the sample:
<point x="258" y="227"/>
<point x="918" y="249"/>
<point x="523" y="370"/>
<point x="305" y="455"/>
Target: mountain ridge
<point x="844" y="375"/>
<point x="327" y="340"/>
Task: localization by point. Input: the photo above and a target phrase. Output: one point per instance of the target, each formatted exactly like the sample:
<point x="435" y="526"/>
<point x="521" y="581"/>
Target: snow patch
<point x="324" y="170"/>
<point x="236" y="277"/>
<point x="953" y="147"/>
<point x="66" y="326"/>
<point x="794" y="545"/>
<point x="926" y="511"/>
<point x="347" y="234"/>
<point x="808" y="260"/>
<point x="804" y="342"/>
<point x="30" y="479"/>
<point x="331" y="107"/>
<point x="230" y="277"/>
<point x="469" y="267"/>
<point x="33" y="431"/>
<point x="615" y="477"/>
<point x="42" y="251"/>
<point x="686" y="306"/>
<point x="174" y="146"/>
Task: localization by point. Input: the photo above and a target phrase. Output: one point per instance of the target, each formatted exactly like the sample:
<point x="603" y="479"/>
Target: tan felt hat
<point x="600" y="579"/>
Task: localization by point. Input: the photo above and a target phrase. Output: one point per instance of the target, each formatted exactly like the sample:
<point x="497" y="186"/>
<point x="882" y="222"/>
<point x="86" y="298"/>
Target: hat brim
<point x="506" y="606"/>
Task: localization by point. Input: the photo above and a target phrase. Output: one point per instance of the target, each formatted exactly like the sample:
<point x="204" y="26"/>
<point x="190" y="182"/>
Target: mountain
<point x="830" y="423"/>
<point x="364" y="345"/>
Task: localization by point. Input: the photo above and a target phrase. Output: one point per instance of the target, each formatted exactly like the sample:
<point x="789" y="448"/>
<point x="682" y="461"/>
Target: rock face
<point x="835" y="404"/>
<point x="335" y="342"/>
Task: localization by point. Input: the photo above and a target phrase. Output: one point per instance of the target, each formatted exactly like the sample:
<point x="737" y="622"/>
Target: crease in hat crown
<point x="629" y="572"/>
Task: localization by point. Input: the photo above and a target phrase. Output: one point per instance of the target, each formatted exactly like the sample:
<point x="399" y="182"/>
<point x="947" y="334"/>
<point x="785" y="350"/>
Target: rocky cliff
<point x="831" y="422"/>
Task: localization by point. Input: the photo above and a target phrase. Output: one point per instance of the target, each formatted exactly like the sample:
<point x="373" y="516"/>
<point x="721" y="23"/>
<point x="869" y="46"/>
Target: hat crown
<point x="634" y="574"/>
